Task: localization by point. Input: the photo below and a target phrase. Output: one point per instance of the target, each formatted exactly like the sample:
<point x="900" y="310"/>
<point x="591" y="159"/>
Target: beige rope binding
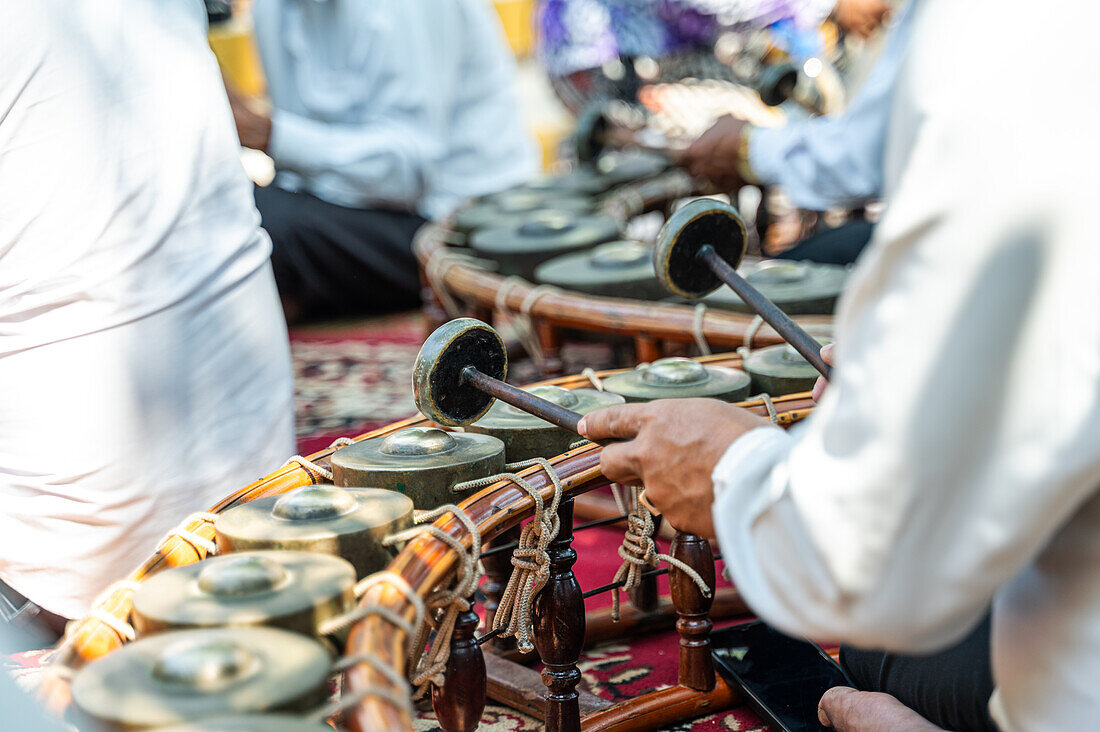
<point x="400" y="700"/>
<point x="593" y="378"/>
<point x="451" y="601"/>
<point x="750" y="333"/>
<point x="768" y="405"/>
<point x="697" y="329"/>
<point x="521" y="320"/>
<point x="188" y="535"/>
<point x="530" y="558"/>
<point x="639" y="551"/>
<point x="395" y="581"/>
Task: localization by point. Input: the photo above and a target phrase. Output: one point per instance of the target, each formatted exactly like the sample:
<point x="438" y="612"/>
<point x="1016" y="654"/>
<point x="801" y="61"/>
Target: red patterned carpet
<point x="357" y="376"/>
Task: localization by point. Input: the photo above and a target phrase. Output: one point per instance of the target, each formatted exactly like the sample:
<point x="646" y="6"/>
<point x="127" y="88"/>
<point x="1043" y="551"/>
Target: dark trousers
<point x="332" y="261"/>
<point x="950" y="688"/>
<point x="841" y="245"/>
<point x="27" y="626"/>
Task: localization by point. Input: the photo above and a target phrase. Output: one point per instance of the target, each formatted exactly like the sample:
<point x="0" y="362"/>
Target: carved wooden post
<point x="550" y="343"/>
<point x="558" y="615"/>
<point x="458" y="704"/>
<point x="498" y="570"/>
<point x="693" y="610"/>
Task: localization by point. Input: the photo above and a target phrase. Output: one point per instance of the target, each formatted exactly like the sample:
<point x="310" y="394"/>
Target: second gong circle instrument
<point x="349" y="523"/>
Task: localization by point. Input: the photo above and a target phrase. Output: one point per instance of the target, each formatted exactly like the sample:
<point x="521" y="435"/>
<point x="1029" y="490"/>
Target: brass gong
<point x="293" y="590"/>
<point x="582" y="180"/>
<point x="253" y="723"/>
<point x="614" y="269"/>
<point x="624" y="166"/>
<point x="521" y="244"/>
<point x="349" y="523"/>
<point x="525" y="436"/>
<point x="798" y="288"/>
<point x="496" y="208"/>
<point x="424" y="463"/>
<point x="779" y="370"/>
<point x="189" y="675"/>
<point x="677" y="378"/>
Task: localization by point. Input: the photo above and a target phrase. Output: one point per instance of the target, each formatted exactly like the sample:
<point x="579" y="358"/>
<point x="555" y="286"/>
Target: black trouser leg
<point x="841" y="245"/>
<point x="950" y="688"/>
<point x="331" y="261"/>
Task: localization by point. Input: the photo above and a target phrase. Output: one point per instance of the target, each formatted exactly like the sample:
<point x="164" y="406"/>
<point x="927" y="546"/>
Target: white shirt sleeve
<point x="959" y="433"/>
<point x="835" y="160"/>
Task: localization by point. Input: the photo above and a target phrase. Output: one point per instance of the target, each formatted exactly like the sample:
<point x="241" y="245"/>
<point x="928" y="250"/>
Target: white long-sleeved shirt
<point x="955" y="457"/>
<point x="144" y="366"/>
<point x="836" y="160"/>
<point x="407" y="104"/>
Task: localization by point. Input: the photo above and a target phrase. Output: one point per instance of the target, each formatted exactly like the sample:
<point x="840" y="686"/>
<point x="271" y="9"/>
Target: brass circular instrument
<point x="583" y="181"/>
<point x="526" y="436"/>
<point x="521" y="244"/>
<point x="624" y="166"/>
<point x="779" y="370"/>
<point x="188" y="675"/>
<point x="699" y="223"/>
<point x="798" y="288"/>
<point x="252" y="723"/>
<point x="670" y="378"/>
<point x="293" y="590"/>
<point x="424" y="463"/>
<point x="614" y="269"/>
<point x="349" y="523"/>
<point x="494" y="209"/>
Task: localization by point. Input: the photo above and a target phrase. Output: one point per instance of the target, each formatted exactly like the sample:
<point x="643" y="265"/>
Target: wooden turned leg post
<point x="693" y="610"/>
<point x="458" y="704"/>
<point x="646" y="349"/>
<point x="558" y="616"/>
<point x="550" y="343"/>
<point x="498" y="570"/>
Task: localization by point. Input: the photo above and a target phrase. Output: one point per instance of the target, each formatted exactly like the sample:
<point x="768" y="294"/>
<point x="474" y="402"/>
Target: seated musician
<point x="833" y="160"/>
<point x="144" y="365"/>
<point x="953" y="461"/>
<point x="385" y="114"/>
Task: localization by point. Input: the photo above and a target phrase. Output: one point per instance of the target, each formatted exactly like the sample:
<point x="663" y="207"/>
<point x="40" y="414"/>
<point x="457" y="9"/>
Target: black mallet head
<point x="592" y="128"/>
<point x="676" y="257"/>
<point x="439" y="388"/>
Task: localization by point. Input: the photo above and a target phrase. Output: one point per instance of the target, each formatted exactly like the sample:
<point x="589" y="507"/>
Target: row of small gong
<point x="247" y="632"/>
<point x="548" y="232"/>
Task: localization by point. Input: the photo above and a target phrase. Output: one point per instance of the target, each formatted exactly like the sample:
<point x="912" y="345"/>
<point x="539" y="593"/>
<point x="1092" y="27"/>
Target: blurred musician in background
<point x="144" y="366"/>
<point x="386" y="114"/>
<point x="953" y="461"/>
<point x="827" y="161"/>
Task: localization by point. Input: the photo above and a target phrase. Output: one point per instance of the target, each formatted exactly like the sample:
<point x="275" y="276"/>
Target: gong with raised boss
<point x="797" y="287"/>
<point x="614" y="269"/>
<point x="678" y="378"/>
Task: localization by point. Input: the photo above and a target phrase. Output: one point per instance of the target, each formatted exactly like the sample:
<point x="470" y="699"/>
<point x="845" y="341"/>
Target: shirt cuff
<point x="292" y="137"/>
<point x="747" y="455"/>
<point x="763" y="155"/>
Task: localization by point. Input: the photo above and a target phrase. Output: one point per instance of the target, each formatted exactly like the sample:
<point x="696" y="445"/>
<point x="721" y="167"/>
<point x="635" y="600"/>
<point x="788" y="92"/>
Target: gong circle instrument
<point x="521" y="244"/>
<point x="526" y="436"/>
<point x="496" y="208"/>
<point x="698" y="250"/>
<point x="678" y="378"/>
<point x="781" y="370"/>
<point x="188" y="675"/>
<point x="796" y="287"/>
<point x="293" y="590"/>
<point x="614" y="269"/>
<point x="423" y="463"/>
<point x="346" y="522"/>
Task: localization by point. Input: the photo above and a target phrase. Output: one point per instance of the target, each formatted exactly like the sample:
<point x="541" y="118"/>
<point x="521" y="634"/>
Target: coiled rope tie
<point x="768" y="405"/>
<point x="530" y="558"/>
<point x="521" y="320"/>
<point x="448" y="602"/>
<point x="435" y="271"/>
<point x="310" y="465"/>
<point x="638" y="551"/>
<point x="593" y="378"/>
<point x="397" y="582"/>
<point x="398" y="696"/>
<point x="188" y="535"/>
<point x="697" y="329"/>
<point x="750" y="333"/>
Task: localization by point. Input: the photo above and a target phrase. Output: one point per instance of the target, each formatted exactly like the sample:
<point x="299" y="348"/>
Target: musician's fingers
<point x="622" y="421"/>
<point x="617" y="463"/>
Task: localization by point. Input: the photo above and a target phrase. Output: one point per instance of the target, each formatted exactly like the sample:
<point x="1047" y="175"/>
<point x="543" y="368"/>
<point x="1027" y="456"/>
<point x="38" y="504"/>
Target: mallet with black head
<point x="596" y="132"/>
<point x="698" y="250"/>
<point x="460" y="370"/>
